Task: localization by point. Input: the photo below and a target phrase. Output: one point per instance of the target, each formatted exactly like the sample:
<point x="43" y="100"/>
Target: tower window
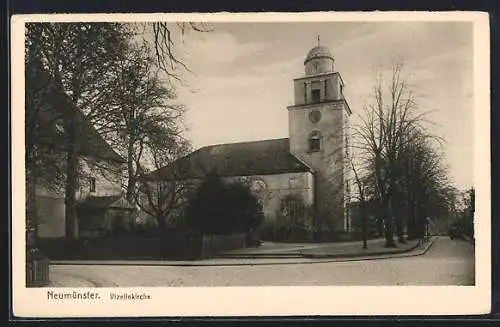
<point x="60" y="128"/>
<point x="326" y="89"/>
<point x="305" y="92"/>
<point x="92" y="185"/>
<point x="316" y="96"/>
<point x="315" y="142"/>
<point x="347" y="220"/>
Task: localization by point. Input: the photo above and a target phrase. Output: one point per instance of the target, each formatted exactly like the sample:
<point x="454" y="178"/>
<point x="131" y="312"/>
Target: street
<point x="447" y="262"/>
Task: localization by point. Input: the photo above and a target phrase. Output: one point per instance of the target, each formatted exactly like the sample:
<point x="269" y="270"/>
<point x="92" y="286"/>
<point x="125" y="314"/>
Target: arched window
<point x="315" y="141"/>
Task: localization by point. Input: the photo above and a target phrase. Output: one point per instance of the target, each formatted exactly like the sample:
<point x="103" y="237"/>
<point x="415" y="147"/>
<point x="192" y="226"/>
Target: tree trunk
<point x="389" y="233"/>
<point x="363" y="231"/>
<point x="71" y="222"/>
<point x="31" y="114"/>
<point x="162" y="224"/>
<point x="380" y="224"/>
<point x="412" y="234"/>
<point x="400" y="226"/>
<point x="364" y="228"/>
<point x="389" y="226"/>
<point x="412" y="220"/>
<point x="131" y="172"/>
<point x="31" y="209"/>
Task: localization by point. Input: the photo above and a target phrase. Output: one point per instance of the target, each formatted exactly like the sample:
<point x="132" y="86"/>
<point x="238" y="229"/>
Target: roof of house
<point x="235" y="159"/>
<point x="105" y="202"/>
<point x="57" y="106"/>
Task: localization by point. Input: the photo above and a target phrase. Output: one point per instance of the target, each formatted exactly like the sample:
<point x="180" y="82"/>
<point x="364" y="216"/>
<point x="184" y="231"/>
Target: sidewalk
<point x="271" y="250"/>
<point x="66" y="280"/>
<point x="470" y="240"/>
<point x="346" y="250"/>
<point x="319" y="254"/>
<point x="308" y="250"/>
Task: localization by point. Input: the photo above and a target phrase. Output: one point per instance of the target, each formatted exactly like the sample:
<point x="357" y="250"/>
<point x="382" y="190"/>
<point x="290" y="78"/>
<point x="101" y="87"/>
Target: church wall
<point x="269" y="189"/>
<point x="328" y="163"/>
<point x="277" y="187"/>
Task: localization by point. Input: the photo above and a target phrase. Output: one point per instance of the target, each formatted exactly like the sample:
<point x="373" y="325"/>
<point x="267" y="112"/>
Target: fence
<point x="172" y="246"/>
<point x="119" y="248"/>
<point x="214" y="244"/>
<point x="37" y="272"/>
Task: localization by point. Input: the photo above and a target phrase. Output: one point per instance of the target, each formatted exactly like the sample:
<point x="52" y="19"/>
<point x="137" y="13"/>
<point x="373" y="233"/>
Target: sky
<point x="242" y="80"/>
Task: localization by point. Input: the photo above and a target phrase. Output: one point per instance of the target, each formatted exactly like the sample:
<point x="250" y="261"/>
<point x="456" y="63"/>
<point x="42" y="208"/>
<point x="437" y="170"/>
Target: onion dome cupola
<point x="319" y="61"/>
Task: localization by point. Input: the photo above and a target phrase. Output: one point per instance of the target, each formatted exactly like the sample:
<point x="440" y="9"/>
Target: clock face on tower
<point x="314" y="116"/>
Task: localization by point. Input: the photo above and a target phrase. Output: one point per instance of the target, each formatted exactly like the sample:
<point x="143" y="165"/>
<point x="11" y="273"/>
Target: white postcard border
<point x="264" y="301"/>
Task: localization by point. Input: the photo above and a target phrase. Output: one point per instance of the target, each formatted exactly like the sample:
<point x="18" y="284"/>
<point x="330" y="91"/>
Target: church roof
<point x="106" y="202"/>
<point x="266" y="157"/>
<point x="318" y="52"/>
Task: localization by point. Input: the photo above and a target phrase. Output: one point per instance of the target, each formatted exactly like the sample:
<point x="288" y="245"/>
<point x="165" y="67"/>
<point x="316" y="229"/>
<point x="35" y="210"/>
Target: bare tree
<point x="157" y="195"/>
<point x="362" y="198"/>
<point x="424" y="182"/>
<point x="164" y="44"/>
<point x="382" y="139"/>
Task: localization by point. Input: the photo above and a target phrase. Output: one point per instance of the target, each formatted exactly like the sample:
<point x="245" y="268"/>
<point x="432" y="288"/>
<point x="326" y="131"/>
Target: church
<point x="309" y="167"/>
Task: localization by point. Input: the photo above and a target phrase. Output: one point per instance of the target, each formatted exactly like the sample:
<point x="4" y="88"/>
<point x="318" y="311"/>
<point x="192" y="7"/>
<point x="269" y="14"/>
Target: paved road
<point x="446" y="263"/>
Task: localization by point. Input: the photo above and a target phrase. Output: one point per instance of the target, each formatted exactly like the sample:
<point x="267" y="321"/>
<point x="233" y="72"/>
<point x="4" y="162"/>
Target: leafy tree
<point x="465" y="221"/>
<point x="116" y="84"/>
<point x="147" y="123"/>
<point x="77" y="58"/>
<point x="220" y="208"/>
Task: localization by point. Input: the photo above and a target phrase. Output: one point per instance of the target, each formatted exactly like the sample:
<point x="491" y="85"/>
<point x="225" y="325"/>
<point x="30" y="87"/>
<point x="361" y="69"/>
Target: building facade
<point x="318" y="127"/>
<point x="310" y="166"/>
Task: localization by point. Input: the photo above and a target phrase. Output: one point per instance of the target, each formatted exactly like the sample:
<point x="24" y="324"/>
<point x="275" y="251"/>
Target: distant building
<point x="310" y="165"/>
<point x="100" y="202"/>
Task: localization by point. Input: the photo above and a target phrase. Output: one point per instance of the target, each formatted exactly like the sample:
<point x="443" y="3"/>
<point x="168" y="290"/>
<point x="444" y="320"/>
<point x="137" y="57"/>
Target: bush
<point x="220" y="208"/>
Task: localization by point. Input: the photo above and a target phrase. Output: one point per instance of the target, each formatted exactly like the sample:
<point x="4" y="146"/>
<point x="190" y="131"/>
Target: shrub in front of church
<point x="222" y="208"/>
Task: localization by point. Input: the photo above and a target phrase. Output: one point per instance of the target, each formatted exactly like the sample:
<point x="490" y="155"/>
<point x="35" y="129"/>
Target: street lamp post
<point x="37" y="266"/>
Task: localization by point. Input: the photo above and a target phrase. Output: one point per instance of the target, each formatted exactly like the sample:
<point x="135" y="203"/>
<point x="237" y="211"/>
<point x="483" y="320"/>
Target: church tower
<point x="318" y="125"/>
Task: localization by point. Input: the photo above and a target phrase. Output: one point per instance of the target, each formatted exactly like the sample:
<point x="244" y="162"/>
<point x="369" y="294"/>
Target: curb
<point x="470" y="240"/>
<point x="299" y="254"/>
<point x="298" y="260"/>
<point x="390" y="253"/>
<point x="287" y="255"/>
<point x="359" y="254"/>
